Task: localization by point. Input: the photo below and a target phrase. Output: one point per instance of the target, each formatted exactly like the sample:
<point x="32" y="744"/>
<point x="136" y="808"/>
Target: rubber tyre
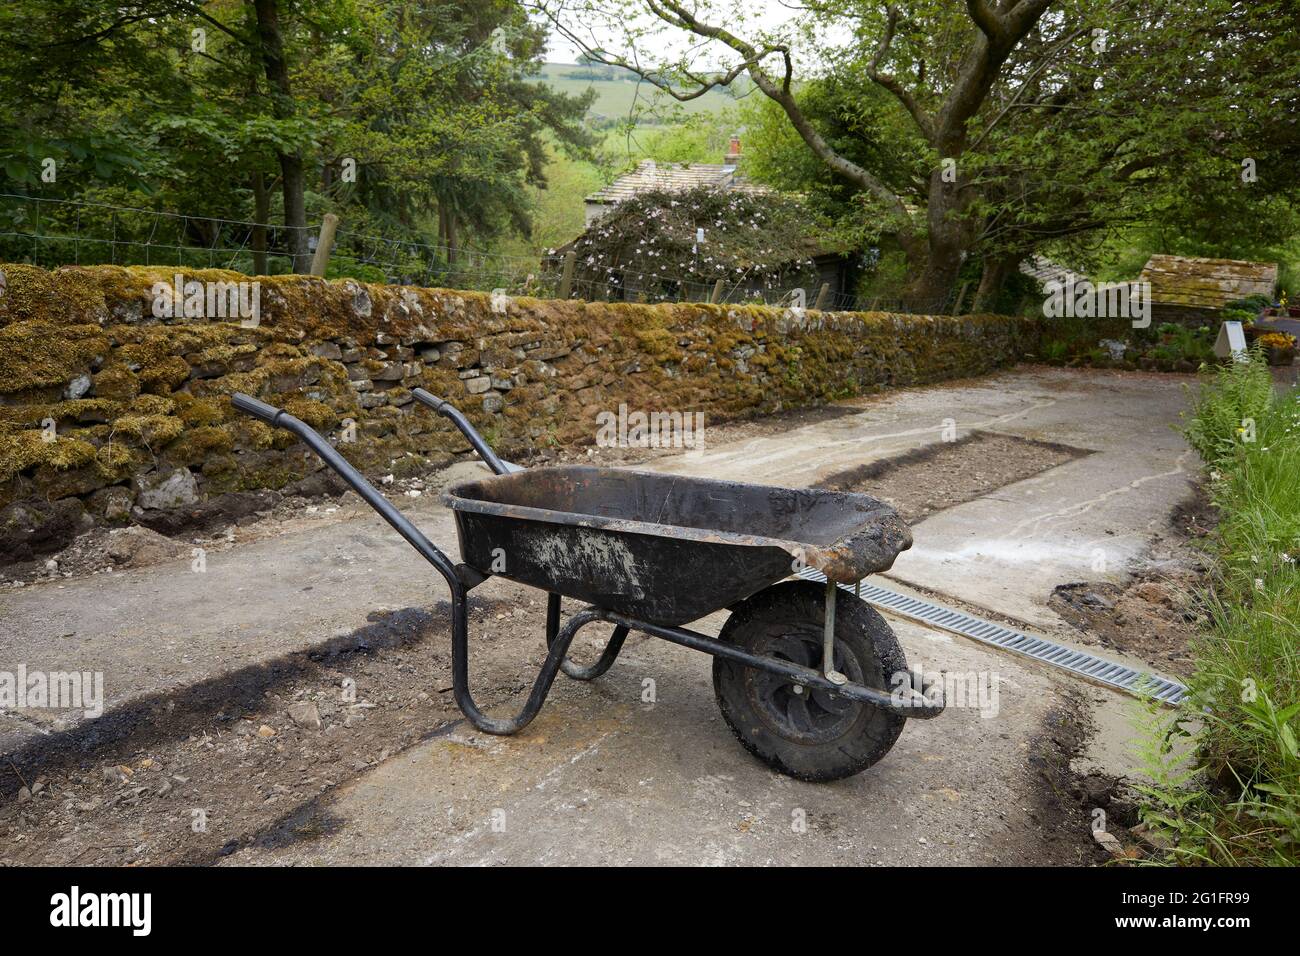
<point x="809" y="736"/>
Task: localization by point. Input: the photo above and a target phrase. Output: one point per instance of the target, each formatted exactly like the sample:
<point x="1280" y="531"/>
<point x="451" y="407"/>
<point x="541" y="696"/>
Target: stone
<point x="493" y="404"/>
<point x="264" y="731"/>
<point x="162" y="492"/>
<point x="327" y="350"/>
<point x="77" y="388"/>
<point x="113" y="504"/>
<point x="372" y="399"/>
<point x="292" y="382"/>
<point x="305" y="714"/>
<point x="391" y="372"/>
<point x="361" y="303"/>
<point x="479" y="385"/>
<point x="1154" y="593"/>
<point x="549" y="353"/>
<point x="1108" y="842"/>
<point x="138" y="547"/>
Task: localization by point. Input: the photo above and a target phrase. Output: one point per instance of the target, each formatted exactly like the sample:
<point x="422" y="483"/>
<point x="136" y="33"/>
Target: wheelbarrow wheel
<point x="805" y="733"/>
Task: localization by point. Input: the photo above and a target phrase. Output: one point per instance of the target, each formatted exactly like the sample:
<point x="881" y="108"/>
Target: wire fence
<point x="57" y="232"/>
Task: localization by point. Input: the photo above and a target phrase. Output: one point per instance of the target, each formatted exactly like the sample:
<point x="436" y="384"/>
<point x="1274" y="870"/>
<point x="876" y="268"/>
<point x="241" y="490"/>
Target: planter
<point x="1277" y="356"/>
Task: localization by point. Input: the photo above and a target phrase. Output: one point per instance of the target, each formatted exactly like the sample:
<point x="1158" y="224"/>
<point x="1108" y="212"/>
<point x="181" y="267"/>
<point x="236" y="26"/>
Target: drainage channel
<point x="1080" y="663"/>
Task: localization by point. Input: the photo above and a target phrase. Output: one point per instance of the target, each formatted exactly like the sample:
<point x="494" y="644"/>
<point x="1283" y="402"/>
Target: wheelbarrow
<point x="810" y="679"/>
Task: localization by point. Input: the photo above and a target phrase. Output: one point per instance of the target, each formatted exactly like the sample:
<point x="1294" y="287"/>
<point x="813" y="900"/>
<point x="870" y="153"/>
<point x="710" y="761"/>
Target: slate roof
<point x="650" y="175"/>
<point x="1045" y="271"/>
<point x="1206" y="283"/>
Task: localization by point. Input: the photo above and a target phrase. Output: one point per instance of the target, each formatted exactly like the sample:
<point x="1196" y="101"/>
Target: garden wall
<point x="112" y="413"/>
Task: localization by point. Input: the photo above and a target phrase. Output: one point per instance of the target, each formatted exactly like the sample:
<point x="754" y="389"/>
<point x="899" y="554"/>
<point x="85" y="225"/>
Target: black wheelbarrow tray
<point x="809" y="678"/>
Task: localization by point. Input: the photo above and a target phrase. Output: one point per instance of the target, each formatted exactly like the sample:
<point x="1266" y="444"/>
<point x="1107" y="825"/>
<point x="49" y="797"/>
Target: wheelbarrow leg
<point x="828" y="637"/>
<point x="577" y="671"/>
<point x="541" y="687"/>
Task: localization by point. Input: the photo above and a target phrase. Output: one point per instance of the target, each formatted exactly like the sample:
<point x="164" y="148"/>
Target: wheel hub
<point x="798" y="712"/>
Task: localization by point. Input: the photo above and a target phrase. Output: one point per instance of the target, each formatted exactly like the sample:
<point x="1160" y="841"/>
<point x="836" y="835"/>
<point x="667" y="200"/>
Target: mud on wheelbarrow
<point x="811" y="680"/>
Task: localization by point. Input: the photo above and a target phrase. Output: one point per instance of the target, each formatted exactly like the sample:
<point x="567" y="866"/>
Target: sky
<point x="664" y="42"/>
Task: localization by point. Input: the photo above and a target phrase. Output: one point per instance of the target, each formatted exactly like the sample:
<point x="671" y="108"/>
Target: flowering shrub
<point x="649" y="244"/>
<point x="1276" y="340"/>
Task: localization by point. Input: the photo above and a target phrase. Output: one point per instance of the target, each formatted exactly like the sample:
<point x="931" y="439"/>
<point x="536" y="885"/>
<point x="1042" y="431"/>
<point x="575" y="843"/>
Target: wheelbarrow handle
<point x="458" y="419"/>
<point x="279" y="418"/>
<point x="251" y="406"/>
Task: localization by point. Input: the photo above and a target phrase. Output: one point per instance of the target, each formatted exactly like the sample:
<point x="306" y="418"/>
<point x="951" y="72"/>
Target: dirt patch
<point x="765" y="426"/>
<point x="1067" y="802"/>
<point x="945" y="474"/>
<point x="1153" y="618"/>
<point x="190" y="777"/>
<point x="1157" y="613"/>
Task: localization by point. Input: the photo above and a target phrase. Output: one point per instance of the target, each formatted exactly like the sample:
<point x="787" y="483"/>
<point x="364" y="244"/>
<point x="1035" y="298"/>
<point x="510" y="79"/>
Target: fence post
<point x="821" y="296"/>
<point x="717" y="293"/>
<point x="324" y="244"/>
<point x="566" y="277"/>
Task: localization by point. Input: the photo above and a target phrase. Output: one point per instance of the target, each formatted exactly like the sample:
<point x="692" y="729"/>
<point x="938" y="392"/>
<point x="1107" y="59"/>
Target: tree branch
<point x="990" y="23"/>
<point x="891" y="83"/>
<point x="674" y="13"/>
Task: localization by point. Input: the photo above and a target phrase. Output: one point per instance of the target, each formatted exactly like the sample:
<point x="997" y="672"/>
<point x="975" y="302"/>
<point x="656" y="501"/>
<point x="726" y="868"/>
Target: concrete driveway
<point x="605" y="775"/>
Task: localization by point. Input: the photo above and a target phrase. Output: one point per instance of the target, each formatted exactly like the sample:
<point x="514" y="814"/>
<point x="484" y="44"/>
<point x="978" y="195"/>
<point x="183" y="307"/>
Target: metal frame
<point x="919" y="702"/>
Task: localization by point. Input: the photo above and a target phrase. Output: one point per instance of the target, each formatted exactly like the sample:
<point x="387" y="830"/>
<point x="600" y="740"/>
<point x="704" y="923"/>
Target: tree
<point x="1040" y="121"/>
<point x="401" y="116"/>
<point x="271" y="52"/>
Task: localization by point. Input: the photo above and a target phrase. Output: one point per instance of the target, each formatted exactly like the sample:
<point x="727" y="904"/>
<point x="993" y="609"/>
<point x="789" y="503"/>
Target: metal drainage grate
<point x="1083" y="664"/>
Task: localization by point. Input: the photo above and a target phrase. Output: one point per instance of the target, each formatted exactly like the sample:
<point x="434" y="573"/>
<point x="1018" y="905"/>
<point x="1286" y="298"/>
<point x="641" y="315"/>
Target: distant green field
<point x="618" y="92"/>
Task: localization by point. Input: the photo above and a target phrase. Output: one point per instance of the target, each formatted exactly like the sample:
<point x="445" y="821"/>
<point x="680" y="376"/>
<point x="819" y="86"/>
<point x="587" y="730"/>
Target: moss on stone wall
<point x="97" y="390"/>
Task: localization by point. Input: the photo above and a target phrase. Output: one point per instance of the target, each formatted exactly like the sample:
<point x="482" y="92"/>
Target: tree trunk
<point x="261" y="213"/>
<point x="291" y="165"/>
<point x="946" y="244"/>
<point x="447" y="231"/>
<point x="997" y="269"/>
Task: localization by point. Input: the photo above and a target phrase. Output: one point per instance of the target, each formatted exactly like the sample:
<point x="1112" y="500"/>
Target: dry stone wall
<point x="113" y="409"/>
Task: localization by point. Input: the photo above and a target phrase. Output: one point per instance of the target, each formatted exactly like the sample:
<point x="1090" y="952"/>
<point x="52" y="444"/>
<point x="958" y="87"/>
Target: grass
<point x="1238" y="801"/>
<point x="620" y="95"/>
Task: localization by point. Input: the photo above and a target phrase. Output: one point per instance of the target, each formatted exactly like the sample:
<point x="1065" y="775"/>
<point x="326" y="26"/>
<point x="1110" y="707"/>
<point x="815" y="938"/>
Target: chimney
<point x="733" y="152"/>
